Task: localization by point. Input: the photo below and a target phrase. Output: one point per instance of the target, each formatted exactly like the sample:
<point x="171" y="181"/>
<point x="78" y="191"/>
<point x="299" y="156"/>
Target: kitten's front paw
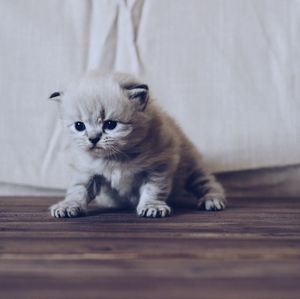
<point x="160" y="209"/>
<point x="212" y="202"/>
<point x="67" y="209"/>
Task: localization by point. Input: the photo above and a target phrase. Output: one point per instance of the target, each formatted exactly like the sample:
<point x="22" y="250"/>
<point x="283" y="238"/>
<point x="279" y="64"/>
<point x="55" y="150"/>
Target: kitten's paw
<point x="67" y="209"/>
<point x="212" y="202"/>
<point x="154" y="210"/>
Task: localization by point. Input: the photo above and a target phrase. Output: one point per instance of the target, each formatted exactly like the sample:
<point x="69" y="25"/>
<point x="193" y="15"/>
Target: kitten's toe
<point x="74" y="211"/>
<point x="212" y="203"/>
<point x="65" y="209"/>
<point x="154" y="210"/>
<point x="58" y="212"/>
<point x="165" y="212"/>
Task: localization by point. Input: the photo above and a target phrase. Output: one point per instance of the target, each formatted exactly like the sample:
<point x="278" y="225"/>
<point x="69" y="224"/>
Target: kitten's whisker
<point x="115" y="151"/>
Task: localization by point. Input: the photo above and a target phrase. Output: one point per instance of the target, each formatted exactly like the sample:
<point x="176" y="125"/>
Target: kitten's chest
<point x="120" y="180"/>
<point x="120" y="177"/>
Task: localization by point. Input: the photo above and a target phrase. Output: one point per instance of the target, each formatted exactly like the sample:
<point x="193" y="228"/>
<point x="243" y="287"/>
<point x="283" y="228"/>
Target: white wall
<point x="228" y="70"/>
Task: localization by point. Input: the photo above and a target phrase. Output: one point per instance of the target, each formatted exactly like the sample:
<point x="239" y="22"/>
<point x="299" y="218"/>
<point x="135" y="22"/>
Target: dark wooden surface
<point x="251" y="250"/>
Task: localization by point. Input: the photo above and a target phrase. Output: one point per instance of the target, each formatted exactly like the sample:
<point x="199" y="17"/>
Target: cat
<point x="127" y="151"/>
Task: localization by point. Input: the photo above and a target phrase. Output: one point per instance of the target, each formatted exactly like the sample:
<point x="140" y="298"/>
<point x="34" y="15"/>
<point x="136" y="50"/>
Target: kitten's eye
<point x="79" y="126"/>
<point x="109" y="125"/>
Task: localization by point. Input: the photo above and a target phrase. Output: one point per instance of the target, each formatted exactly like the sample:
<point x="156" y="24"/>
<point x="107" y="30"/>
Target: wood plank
<point x="251" y="250"/>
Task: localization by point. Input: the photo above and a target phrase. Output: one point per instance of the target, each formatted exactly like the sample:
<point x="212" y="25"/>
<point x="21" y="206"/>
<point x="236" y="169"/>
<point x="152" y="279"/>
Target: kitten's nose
<point x="94" y="140"/>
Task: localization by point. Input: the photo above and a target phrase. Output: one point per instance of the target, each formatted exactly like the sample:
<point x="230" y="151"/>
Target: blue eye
<point x="109" y="125"/>
<point x="79" y="126"/>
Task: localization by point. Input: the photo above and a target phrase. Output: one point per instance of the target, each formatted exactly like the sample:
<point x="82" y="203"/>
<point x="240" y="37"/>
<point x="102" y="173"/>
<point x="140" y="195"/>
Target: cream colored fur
<point x="145" y="162"/>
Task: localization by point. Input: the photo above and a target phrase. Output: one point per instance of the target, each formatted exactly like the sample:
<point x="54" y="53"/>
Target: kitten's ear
<point x="138" y="93"/>
<point x="56" y="96"/>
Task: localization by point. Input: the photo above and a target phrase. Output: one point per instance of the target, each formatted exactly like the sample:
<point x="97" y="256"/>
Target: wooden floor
<point x="251" y="250"/>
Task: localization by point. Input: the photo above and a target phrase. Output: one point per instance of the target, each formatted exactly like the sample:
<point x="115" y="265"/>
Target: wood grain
<point x="251" y="250"/>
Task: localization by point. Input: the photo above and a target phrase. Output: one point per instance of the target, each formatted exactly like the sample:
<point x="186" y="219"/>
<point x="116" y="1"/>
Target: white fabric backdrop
<point x="228" y="70"/>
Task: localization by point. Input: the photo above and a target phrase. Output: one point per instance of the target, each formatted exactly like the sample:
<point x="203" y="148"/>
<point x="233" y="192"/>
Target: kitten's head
<point x="105" y="114"/>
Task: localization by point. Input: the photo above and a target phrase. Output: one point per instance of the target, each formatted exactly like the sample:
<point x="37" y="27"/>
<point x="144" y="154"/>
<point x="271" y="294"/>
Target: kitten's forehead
<point x="98" y="97"/>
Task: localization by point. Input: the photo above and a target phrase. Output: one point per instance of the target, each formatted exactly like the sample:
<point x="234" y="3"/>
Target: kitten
<point x="127" y="152"/>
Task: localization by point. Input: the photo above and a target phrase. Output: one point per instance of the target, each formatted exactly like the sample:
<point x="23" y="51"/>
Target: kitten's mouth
<point x="95" y="148"/>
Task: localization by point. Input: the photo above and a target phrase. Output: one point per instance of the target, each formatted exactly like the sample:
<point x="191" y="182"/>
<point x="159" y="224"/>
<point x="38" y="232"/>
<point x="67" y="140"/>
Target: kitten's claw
<point x="67" y="209"/>
<point x="212" y="202"/>
<point x="154" y="210"/>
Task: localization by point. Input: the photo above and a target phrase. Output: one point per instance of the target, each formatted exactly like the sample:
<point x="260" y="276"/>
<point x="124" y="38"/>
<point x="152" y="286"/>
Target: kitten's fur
<point x="145" y="161"/>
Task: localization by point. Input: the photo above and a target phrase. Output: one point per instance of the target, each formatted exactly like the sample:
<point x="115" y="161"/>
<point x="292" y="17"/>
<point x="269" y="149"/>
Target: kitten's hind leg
<point x="210" y="193"/>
